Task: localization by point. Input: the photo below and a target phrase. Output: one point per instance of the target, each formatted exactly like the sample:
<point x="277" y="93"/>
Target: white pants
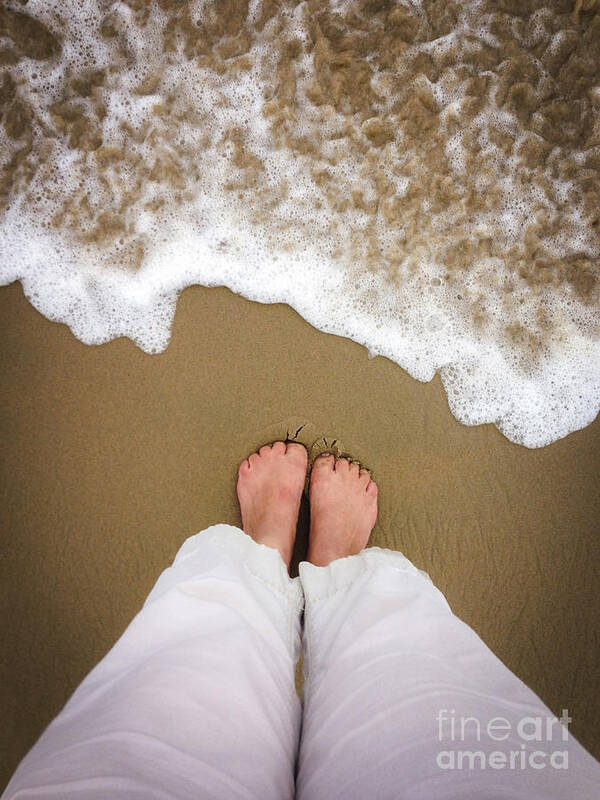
<point x="197" y="698"/>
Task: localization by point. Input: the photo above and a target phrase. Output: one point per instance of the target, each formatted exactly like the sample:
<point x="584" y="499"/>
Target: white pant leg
<point x="386" y="662"/>
<point x="197" y="698"/>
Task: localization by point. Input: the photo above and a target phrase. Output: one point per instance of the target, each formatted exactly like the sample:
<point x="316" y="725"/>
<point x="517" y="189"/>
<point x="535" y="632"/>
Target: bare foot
<point x="343" y="509"/>
<point x="269" y="489"/>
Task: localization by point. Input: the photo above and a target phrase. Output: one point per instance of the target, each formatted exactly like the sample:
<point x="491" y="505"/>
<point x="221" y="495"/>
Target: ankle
<point x="322" y="557"/>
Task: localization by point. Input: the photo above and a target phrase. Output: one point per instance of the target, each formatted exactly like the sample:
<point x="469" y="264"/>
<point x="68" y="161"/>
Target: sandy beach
<point x="113" y="457"/>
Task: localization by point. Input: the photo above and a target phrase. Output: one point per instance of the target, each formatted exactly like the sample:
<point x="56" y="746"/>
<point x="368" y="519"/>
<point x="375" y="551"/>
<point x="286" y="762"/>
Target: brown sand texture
<point x="113" y="457"/>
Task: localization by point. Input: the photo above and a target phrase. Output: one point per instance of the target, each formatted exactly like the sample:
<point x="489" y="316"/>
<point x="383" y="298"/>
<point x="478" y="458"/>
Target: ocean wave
<point x="423" y="177"/>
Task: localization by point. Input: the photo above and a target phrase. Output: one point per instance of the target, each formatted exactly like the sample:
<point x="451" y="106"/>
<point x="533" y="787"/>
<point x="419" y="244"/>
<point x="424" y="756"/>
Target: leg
<point x="390" y="672"/>
<point x="197" y="698"/>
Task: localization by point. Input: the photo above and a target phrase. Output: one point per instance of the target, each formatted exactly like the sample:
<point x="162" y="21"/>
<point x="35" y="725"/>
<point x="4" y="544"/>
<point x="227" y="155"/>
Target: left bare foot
<point x="343" y="509"/>
<point x="269" y="490"/>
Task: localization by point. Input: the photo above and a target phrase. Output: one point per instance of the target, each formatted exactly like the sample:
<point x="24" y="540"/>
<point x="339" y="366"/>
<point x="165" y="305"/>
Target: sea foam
<point x="422" y="177"/>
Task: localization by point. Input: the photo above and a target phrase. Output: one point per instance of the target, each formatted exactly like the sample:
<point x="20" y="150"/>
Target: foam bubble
<point x="421" y="177"/>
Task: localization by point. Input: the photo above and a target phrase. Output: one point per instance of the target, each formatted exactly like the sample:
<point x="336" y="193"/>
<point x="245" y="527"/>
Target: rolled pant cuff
<point x="261" y="562"/>
<point x="322" y="582"/>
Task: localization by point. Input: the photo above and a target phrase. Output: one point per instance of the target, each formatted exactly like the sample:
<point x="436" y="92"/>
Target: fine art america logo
<point x="473" y="743"/>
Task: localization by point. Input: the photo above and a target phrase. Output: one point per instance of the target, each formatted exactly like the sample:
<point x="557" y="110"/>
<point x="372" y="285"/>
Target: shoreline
<point x="113" y="457"/>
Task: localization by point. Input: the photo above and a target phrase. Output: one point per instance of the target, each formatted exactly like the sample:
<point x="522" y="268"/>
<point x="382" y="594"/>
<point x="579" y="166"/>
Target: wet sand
<point x="113" y="457"/>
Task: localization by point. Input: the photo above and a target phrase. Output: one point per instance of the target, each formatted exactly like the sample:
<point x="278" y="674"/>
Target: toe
<point x="354" y="469"/>
<point x="365" y="477"/>
<point x="297" y="451"/>
<point x="372" y="489"/>
<point x="254" y="460"/>
<point x="324" y="463"/>
<point x="342" y="465"/>
<point x="244" y="467"/>
<point x="278" y="447"/>
<point x="265" y="450"/>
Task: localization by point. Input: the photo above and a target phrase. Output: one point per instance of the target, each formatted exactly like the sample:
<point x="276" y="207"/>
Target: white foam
<point x="281" y="236"/>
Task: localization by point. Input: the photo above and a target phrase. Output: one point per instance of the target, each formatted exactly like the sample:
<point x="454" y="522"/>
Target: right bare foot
<point x="343" y="509"/>
<point x="269" y="489"/>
